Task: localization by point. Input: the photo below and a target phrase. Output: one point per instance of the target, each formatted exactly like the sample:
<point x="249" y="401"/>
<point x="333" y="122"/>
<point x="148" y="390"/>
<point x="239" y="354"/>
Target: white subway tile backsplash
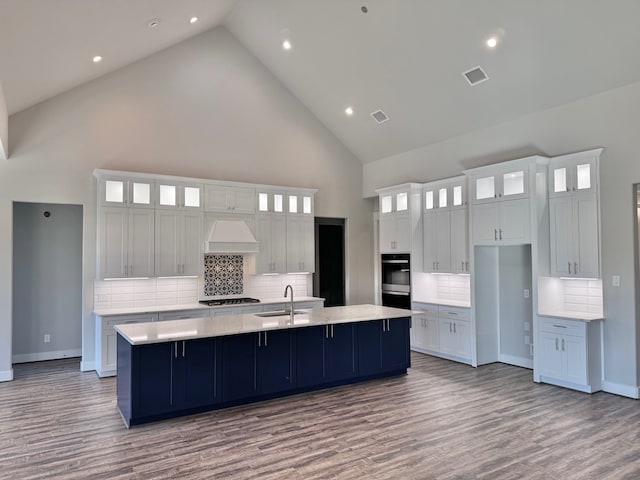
<point x="570" y="295"/>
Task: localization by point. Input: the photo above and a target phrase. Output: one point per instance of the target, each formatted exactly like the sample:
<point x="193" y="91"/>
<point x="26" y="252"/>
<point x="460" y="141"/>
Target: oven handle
<point x="400" y="294"/>
<point x="401" y="262"/>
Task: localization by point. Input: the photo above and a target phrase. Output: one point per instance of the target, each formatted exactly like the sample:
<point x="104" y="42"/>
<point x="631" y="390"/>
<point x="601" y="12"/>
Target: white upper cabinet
<point x="400" y="219"/>
<point x="270" y="201"/>
<point x="171" y="195"/>
<point x="575" y="173"/>
<point x="227" y="199"/>
<point x="299" y="204"/>
<point x="395" y="201"/>
<point x="178" y="243"/>
<point x="445" y="194"/>
<point x="505" y="183"/>
<point x="126" y="192"/>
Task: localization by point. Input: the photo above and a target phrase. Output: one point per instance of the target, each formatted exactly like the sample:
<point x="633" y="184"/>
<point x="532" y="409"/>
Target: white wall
<point x="204" y="108"/>
<point x="609" y="120"/>
<point x="4" y="127"/>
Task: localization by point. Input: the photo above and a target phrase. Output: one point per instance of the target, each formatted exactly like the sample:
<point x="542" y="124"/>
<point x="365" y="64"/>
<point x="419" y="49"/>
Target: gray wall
<point x="47" y="281"/>
<point x="608" y="120"/>
<point x="4" y="127"/>
<point x="204" y="108"/>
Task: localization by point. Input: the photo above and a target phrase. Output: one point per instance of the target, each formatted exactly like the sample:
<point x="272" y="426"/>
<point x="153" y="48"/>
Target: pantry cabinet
<point x="569" y="353"/>
<point x="178" y="243"/>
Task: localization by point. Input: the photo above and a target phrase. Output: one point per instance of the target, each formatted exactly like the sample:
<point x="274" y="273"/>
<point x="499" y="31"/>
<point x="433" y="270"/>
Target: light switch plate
<point x="526" y="293"/>
<point x="615" y="280"/>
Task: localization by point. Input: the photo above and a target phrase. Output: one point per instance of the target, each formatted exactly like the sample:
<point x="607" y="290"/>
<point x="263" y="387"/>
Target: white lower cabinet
<point x="441" y="330"/>
<point x="106" y="339"/>
<point x="569" y="353"/>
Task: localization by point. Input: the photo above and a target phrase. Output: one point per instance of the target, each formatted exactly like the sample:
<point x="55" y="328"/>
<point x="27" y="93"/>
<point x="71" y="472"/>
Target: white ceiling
<point x="404" y="56"/>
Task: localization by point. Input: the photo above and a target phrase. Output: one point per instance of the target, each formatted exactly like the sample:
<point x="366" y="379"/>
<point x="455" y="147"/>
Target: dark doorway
<point x="328" y="281"/>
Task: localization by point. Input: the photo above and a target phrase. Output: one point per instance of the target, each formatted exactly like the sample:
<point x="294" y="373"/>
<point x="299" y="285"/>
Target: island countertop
<point x="187" y="329"/>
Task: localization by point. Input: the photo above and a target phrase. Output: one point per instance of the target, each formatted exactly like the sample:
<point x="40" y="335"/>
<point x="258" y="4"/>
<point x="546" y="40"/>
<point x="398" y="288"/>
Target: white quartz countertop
<point x="585" y="317"/>
<point x="445" y="303"/>
<point x="176" y="330"/>
<point x="103" y="312"/>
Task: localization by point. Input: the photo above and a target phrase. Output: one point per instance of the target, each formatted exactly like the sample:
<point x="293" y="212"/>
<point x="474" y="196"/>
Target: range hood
<point x="231" y="236"/>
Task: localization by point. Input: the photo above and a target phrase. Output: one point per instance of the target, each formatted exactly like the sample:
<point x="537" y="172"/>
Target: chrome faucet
<point x="289" y="287"/>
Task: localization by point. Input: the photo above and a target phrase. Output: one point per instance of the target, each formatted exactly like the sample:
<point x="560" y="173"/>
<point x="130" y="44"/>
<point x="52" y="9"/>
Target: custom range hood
<point x="231" y="236"/>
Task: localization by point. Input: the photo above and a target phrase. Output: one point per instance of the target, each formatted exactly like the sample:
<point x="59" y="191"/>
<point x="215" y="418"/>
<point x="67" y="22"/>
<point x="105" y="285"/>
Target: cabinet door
<point x="459" y="241"/>
<point x="112" y="241"/>
<point x="586" y="241"/>
<point x="395" y="345"/>
<point x="309" y="246"/>
<point x="575" y="355"/>
<point x="429" y="241"/>
<point x="275" y="366"/>
<point x="279" y="243"/>
<point x="561" y="230"/>
<point x="370" y="347"/>
<point x="403" y="233"/>
<point x="243" y="200"/>
<point x="239" y="366"/>
<point x="215" y="198"/>
<point x="152" y="392"/>
<point x="300" y="248"/>
<point x="199" y="379"/>
<point x="264" y="226"/>
<point x="424" y="332"/>
<point x="167" y="243"/>
<point x="310" y="357"/>
<point x="340" y="353"/>
<point x="485" y="220"/>
<point x="514" y="222"/>
<point x="387" y="234"/>
<point x="141" y="243"/>
<point x="462" y="339"/>
<point x="191" y="244"/>
<point x="443" y="255"/>
<point x="446" y="336"/>
<point x="550" y="362"/>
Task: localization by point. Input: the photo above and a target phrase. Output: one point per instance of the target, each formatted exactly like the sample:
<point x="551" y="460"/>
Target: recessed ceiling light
<point x="286" y="45"/>
<point x="154" y="23"/>
<point x="492" y="42"/>
<point x="348" y="111"/>
<point x="97" y="59"/>
<point x="193" y="20"/>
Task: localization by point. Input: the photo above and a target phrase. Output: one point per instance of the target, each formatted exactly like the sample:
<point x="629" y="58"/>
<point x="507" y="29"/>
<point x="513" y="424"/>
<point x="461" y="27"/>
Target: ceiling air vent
<point x="379" y="116"/>
<point x="475" y="76"/>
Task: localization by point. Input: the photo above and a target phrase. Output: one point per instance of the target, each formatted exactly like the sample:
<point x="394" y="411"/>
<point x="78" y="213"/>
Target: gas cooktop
<point x="229" y="301"/>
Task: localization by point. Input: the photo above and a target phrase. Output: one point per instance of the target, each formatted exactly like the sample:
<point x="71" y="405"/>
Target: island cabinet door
<point x="239" y="366"/>
<point x="275" y="362"/>
<point x="395" y="345"/>
<point x="196" y="373"/>
<point x="340" y="352"/>
<point x="310" y="358"/>
<point x="383" y="346"/>
<point x="370" y="347"/>
<point x="151" y="379"/>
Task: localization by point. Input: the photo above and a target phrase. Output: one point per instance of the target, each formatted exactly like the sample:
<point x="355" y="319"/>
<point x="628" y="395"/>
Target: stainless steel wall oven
<point x="396" y="280"/>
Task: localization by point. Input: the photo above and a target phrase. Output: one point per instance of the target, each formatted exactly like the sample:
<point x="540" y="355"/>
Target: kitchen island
<point x="173" y="368"/>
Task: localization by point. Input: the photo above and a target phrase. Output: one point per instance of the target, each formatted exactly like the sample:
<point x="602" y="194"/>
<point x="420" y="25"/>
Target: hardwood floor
<point x="441" y="421"/>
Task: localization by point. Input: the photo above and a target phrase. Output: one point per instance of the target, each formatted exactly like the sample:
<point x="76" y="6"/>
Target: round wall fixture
<point x="154" y="23"/>
<point x="364" y="9"/>
<point x="47" y="214"/>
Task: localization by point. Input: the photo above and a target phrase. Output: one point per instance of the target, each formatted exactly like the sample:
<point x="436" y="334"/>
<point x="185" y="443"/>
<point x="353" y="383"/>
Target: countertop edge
<point x="572" y="316"/>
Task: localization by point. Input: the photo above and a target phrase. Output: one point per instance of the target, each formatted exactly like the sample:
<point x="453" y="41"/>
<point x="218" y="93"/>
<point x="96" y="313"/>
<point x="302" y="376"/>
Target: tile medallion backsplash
<point x="223" y="275"/>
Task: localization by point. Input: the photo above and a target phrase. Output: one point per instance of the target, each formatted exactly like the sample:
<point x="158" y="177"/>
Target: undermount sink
<point x="279" y="313"/>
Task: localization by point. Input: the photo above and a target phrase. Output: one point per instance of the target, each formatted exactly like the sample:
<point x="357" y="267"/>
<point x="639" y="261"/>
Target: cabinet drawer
<point x="453" y="313"/>
<point x="109" y="322"/>
<point x="563" y="327"/>
<point x="183" y="314"/>
<point x="425" y="309"/>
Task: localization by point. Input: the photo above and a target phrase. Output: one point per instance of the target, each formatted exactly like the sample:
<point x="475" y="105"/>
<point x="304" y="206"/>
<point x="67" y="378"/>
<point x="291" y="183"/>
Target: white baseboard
<point x="38" y="357"/>
<point x="619" y="389"/>
<point x="6" y="376"/>
<point x="87" y="366"/>
<point x="517" y="361"/>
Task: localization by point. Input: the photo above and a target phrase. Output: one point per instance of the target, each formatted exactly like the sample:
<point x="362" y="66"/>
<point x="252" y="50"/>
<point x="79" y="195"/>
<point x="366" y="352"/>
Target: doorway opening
<point x="47" y="282"/>
<point x="329" y="278"/>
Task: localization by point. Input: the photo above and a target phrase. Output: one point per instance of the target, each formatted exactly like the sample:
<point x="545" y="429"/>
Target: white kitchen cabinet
<point x="183" y="314"/>
<point x="507" y="181"/>
<point x="459" y="244"/>
<point x="441" y="330"/>
<point x="300" y="244"/>
<point x="269" y="201"/>
<point x="503" y="222"/>
<point x="271" y="233"/>
<point x="122" y="191"/>
<point x="177" y="195"/>
<point x="424" y="330"/>
<point x="574" y="173"/>
<point x="125" y="242"/>
<point x="569" y="353"/>
<point x="227" y="199"/>
<point x="445" y="194"/>
<point x="574" y="234"/>
<point x="178" y="243"/>
<point x="437" y="241"/>
<point x="106" y="340"/>
<point x="400" y="229"/>
<point x="395" y="234"/>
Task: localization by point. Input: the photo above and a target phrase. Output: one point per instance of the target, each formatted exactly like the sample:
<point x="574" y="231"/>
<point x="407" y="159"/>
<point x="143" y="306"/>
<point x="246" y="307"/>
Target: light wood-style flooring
<point x="441" y="421"/>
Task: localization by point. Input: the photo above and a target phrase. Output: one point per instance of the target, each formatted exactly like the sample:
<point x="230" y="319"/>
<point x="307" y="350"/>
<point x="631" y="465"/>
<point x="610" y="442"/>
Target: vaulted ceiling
<point x="406" y="57"/>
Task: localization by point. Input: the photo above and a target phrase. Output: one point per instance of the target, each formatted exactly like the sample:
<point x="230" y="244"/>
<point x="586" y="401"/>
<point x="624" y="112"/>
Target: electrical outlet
<point x="527" y="340"/>
<point x="527" y="326"/>
<point x="526" y="293"/>
<point x="615" y="280"/>
<point x="47" y="338"/>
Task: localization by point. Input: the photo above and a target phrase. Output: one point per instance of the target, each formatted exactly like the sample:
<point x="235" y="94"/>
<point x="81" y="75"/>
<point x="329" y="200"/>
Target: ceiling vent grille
<point x="475" y="76"/>
<point x="379" y="116"/>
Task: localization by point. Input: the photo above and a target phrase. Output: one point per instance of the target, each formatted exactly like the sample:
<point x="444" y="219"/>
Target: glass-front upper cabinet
<point x="393" y="202"/>
<point x="270" y="202"/>
<point x="300" y="203"/>
<point x="115" y="191"/>
<point x="575" y="173"/>
<point x="449" y="193"/>
<point x="179" y="195"/>
<point x="504" y="184"/>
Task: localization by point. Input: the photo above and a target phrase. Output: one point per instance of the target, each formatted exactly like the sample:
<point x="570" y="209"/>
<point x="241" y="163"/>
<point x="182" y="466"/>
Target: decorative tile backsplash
<point x="223" y="275"/>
